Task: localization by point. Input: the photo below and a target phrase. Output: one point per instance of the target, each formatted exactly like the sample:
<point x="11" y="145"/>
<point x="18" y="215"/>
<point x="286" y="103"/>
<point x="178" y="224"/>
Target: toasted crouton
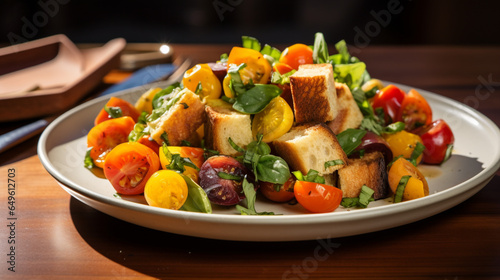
<point x="308" y="147"/>
<point x="223" y="122"/>
<point x="368" y="170"/>
<point x="313" y="93"/>
<point x="349" y="115"/>
<point x="181" y="120"/>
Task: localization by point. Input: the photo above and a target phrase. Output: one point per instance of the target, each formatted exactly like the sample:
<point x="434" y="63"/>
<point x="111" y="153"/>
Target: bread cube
<point x="349" y="114"/>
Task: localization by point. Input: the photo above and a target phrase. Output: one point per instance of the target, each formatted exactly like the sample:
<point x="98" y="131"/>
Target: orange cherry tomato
<point x="317" y="198"/>
<point x="107" y="135"/>
<point x="282" y="68"/>
<point x="127" y="109"/>
<point x="415" y="111"/>
<point x="278" y="193"/>
<point x="296" y="55"/>
<point x="129" y="166"/>
<point x="403" y="143"/>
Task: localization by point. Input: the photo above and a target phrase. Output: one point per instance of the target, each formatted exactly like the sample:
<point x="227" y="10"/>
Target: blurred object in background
<point x="224" y="21"/>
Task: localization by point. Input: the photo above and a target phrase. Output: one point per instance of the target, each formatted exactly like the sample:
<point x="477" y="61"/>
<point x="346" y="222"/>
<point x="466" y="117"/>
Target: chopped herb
<point x="223" y="57"/>
<point x="333" y="163"/>
<point x="394" y="127"/>
<point x="311" y="176"/>
<point x="419" y="149"/>
<point x="185" y="143"/>
<point x="228" y="176"/>
<point x="113" y="112"/>
<point x="449" y="150"/>
<point x="278" y="78"/>
<point x="117" y="195"/>
<point x="362" y="201"/>
<point x="398" y="197"/>
<point x="138" y="132"/>
<point x="250" y="194"/>
<point x="184" y="104"/>
<point x="176" y="161"/>
<point x="199" y="88"/>
<point x="143" y="118"/>
<point x="164" y="137"/>
<point x="88" y="162"/>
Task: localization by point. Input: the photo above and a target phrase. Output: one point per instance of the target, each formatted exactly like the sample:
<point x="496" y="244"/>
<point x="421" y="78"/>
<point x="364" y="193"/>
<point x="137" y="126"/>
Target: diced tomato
<point x="437" y="138"/>
<point x="282" y="68"/>
<point x="126" y="108"/>
<point x="414" y="111"/>
<point x="389" y="99"/>
<point x="278" y="193"/>
<point x="146" y="140"/>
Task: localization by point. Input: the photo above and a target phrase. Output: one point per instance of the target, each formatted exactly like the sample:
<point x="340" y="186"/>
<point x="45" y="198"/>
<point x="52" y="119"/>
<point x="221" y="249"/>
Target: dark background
<point x="198" y="21"/>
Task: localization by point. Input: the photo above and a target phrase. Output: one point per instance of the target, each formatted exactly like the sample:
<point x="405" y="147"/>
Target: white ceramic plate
<point x="475" y="160"/>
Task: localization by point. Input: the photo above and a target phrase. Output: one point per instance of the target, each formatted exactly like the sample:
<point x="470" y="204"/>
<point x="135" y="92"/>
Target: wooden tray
<point x="50" y="75"/>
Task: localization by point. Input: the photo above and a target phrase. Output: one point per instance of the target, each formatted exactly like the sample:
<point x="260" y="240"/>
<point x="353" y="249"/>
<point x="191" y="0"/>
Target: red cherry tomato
<point x="127" y="109"/>
<point x="146" y="140"/>
<point x="389" y="99"/>
<point x="296" y="55"/>
<point x="414" y="111"/>
<point x="129" y="166"/>
<point x="107" y="135"/>
<point x="278" y="194"/>
<point x="317" y="198"/>
<point x="437" y="137"/>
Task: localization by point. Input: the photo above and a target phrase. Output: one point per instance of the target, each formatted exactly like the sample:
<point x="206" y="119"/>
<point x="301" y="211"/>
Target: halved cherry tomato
<point x="414" y="111"/>
<point x="274" y="121"/>
<point x="282" y="68"/>
<point x="126" y="108"/>
<point x="258" y="68"/>
<point x="317" y="198"/>
<point x="403" y="143"/>
<point x="145" y="102"/>
<point x="166" y="189"/>
<point x="437" y="137"/>
<point x="296" y="55"/>
<point x="146" y="140"/>
<point x="415" y="187"/>
<point x="107" y="135"/>
<point x="194" y="154"/>
<point x="389" y="99"/>
<point x="202" y="73"/>
<point x="278" y="193"/>
<point x="128" y="167"/>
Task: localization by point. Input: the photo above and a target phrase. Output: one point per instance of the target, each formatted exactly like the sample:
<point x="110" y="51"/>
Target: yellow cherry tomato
<point x="274" y="121"/>
<point x="417" y="184"/>
<point x="258" y="68"/>
<point x="225" y="86"/>
<point x="166" y="189"/>
<point x="210" y="84"/>
<point x="371" y="84"/>
<point x="403" y="143"/>
<point x="194" y="154"/>
<point x="145" y="102"/>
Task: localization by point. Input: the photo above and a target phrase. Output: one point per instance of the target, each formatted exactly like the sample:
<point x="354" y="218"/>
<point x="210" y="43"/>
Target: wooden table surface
<point x="58" y="237"/>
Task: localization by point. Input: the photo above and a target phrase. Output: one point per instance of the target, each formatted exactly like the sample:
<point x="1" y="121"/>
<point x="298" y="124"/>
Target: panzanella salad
<point x="298" y="125"/>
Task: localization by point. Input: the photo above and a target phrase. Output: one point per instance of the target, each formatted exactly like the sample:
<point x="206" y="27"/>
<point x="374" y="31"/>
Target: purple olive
<point x="221" y="177"/>
<point x="372" y="142"/>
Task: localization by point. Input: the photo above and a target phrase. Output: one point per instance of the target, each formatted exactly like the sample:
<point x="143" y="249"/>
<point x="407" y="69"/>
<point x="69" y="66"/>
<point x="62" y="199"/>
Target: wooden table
<point x="58" y="237"/>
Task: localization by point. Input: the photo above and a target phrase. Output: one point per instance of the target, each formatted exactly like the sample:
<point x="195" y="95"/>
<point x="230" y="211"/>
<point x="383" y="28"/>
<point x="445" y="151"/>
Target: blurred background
<point x="359" y="22"/>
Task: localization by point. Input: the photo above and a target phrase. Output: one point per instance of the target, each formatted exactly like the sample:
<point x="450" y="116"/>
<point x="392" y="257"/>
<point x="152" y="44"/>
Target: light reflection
<point x="164" y="49"/>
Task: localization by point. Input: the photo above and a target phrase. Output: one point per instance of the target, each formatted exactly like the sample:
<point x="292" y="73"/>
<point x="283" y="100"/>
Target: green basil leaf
<point x="341" y="47"/>
<point x="138" y="131"/>
<point x="162" y="95"/>
<point x="272" y="169"/>
<point x="349" y="202"/>
<point x="398" y="197"/>
<point x="114" y="112"/>
<point x="350" y="139"/>
<point x="350" y="74"/>
<point x="197" y="200"/>
<point x="365" y="196"/>
<point x="277" y="78"/>
<point x="394" y="127"/>
<point x="419" y="149"/>
<point x="235" y="146"/>
<point x="256" y="99"/>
